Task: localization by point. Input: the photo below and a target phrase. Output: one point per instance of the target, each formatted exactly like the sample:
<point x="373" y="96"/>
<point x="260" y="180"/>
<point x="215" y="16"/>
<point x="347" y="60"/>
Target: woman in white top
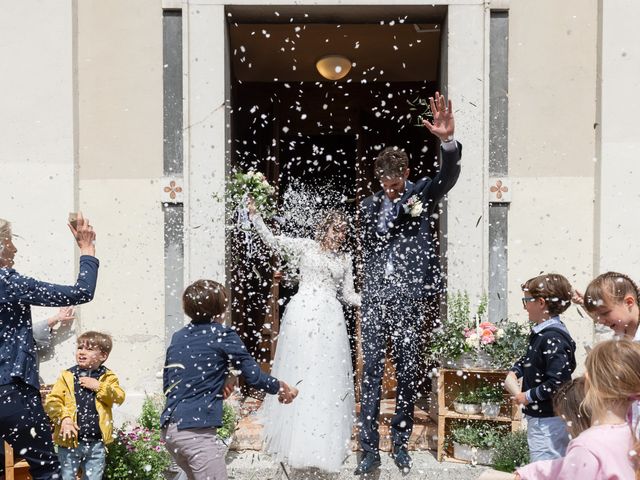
<point x="313" y="351"/>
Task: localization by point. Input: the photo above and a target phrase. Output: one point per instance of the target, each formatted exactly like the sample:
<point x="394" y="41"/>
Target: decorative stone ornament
<point x="171" y="190"/>
<point x="499" y="191"/>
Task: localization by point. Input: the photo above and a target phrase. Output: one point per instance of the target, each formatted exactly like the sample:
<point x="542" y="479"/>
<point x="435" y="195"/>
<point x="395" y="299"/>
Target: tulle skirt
<point x="312" y="354"/>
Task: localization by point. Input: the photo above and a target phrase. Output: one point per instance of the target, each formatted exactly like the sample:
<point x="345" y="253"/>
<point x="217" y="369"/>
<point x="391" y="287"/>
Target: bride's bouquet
<point x="251" y="184"/>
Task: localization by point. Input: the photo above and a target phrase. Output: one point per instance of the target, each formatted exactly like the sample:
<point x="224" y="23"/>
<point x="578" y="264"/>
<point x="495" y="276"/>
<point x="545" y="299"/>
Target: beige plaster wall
<point x="120" y="88"/>
<point x="552" y="111"/>
<point x="37" y="147"/>
<point x="618" y="177"/>
<point x="120" y="108"/>
<point x="552" y="87"/>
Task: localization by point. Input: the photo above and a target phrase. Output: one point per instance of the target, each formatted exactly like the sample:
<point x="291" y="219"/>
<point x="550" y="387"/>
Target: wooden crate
<point x="450" y="383"/>
<point x="14" y="471"/>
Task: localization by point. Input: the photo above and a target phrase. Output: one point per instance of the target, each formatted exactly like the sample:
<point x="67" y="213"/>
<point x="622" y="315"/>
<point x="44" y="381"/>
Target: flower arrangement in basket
<point x="449" y="340"/>
<point x="466" y="340"/>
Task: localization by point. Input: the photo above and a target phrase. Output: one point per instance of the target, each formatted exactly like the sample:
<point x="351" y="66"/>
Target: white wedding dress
<point x="312" y="354"/>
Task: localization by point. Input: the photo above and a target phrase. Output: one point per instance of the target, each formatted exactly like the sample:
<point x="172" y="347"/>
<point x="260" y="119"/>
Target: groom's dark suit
<point x="401" y="273"/>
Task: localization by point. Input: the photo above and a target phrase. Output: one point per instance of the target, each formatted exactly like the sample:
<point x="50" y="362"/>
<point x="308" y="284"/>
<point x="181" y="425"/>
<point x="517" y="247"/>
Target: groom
<point x="401" y="278"/>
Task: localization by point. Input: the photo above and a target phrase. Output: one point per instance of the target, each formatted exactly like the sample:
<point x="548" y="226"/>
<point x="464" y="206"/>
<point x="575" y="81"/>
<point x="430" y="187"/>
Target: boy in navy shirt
<point x="547" y="364"/>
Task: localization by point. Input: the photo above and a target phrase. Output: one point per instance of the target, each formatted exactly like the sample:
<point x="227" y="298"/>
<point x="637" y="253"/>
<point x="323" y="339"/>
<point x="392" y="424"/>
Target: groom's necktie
<point x="388" y="213"/>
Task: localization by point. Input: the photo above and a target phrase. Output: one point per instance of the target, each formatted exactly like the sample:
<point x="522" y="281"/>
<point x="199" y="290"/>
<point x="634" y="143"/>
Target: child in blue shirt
<point x="548" y="363"/>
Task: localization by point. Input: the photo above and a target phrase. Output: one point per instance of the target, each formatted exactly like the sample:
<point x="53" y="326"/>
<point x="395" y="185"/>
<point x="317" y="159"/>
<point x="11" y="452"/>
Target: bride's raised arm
<point x="279" y="243"/>
<point x="349" y="294"/>
<point x="289" y="248"/>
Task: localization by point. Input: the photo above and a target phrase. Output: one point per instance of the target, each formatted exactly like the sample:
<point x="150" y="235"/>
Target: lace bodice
<point x="319" y="269"/>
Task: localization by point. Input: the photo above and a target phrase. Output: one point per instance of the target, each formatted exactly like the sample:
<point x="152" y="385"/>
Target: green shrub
<point x="151" y="409"/>
<point x="229" y="421"/>
<point x="512" y="451"/>
<point x="137" y="454"/>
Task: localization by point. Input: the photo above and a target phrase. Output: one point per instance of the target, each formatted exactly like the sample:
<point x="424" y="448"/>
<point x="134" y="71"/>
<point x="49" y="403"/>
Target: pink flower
<point x="487" y="337"/>
<point x="488" y="326"/>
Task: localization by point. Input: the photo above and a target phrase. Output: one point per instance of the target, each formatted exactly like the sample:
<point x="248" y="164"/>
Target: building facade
<point x="126" y="111"/>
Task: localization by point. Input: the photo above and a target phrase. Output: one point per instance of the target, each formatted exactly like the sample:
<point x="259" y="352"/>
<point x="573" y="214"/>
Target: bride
<point x="313" y="351"/>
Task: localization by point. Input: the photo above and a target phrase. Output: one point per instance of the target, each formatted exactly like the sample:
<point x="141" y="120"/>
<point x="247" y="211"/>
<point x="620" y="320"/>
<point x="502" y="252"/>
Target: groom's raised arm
<point x="433" y="190"/>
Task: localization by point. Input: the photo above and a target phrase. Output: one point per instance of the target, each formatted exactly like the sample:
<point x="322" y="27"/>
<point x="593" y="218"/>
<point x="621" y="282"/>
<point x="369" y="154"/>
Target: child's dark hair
<point x="608" y="288"/>
<point x="567" y="404"/>
<point x="553" y="288"/>
<point x="204" y="300"/>
<point x="99" y="340"/>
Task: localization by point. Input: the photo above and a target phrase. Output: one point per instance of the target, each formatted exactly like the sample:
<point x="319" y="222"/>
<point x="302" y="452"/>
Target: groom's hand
<point x="443" y="124"/>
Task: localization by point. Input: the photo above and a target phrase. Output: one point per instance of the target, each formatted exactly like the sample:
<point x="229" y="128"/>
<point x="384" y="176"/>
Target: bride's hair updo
<point x="333" y="217"/>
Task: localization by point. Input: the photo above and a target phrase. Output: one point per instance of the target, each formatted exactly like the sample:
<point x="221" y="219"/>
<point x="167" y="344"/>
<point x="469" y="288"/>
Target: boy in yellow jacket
<point x="79" y="406"/>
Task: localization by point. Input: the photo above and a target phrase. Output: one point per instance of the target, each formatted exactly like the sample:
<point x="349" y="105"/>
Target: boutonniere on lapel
<point x="413" y="206"/>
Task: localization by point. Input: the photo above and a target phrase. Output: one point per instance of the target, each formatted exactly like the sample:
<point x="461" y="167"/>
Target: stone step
<point x="248" y="436"/>
<point x="258" y="466"/>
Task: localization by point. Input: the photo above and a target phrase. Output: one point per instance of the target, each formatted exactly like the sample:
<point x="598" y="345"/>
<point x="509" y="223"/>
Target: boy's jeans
<point x="88" y="455"/>
<point x="547" y="438"/>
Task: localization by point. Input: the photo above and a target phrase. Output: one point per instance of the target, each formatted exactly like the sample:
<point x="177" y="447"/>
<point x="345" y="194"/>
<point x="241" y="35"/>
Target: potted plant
<point x="468" y="403"/>
<point x="491" y="398"/>
<point x="475" y="441"/>
<point x="450" y="346"/>
<point x="464" y="340"/>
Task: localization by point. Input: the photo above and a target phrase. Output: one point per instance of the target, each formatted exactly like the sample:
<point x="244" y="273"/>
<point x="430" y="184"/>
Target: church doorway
<point x="295" y="126"/>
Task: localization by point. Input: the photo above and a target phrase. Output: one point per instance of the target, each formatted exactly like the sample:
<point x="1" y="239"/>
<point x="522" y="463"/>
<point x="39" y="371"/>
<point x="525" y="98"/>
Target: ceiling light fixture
<point x="333" y="67"/>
